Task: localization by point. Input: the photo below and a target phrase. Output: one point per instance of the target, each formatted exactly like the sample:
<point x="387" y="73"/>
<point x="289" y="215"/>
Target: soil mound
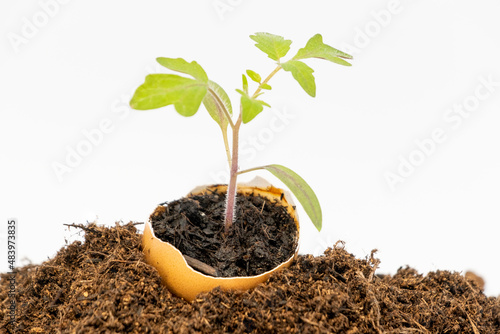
<point x="102" y="285"/>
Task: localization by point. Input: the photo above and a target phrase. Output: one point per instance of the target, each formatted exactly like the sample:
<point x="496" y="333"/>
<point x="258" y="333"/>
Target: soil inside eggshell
<point x="262" y="236"/>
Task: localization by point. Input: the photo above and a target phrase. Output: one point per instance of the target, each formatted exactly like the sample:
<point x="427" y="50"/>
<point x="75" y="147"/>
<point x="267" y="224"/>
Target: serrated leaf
<point x="265" y="86"/>
<point x="245" y="83"/>
<point x="250" y="107"/>
<point x="274" y="46"/>
<point x="315" y="48"/>
<point x="180" y="65"/>
<point x="302" y="191"/>
<point x="303" y="74"/>
<point x="212" y="104"/>
<point x="160" y="90"/>
<point x="254" y="76"/>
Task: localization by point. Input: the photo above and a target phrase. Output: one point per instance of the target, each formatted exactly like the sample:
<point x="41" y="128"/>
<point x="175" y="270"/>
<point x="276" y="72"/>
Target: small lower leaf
<point x="254" y="76"/>
<point x="245" y="83"/>
<point x="302" y="191"/>
<point x="250" y="107"/>
<point x="265" y="86"/>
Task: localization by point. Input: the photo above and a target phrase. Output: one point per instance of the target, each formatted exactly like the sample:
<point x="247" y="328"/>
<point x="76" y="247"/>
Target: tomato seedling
<point x="188" y="93"/>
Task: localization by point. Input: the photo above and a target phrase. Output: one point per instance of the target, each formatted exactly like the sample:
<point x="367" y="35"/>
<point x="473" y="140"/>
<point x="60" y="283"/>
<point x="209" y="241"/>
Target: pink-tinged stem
<point x="231" y="189"/>
<point x="233" y="171"/>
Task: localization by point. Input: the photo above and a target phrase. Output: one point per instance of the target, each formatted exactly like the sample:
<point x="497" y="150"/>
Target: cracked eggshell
<point x="184" y="281"/>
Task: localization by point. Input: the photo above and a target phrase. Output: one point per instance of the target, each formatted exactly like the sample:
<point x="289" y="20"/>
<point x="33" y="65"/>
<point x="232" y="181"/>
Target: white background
<point x="67" y="66"/>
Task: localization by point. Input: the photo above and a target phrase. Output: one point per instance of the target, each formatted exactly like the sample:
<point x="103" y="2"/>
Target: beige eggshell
<point x="186" y="282"/>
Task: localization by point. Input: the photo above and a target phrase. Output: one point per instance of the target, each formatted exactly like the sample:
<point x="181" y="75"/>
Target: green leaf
<point x="180" y="65"/>
<point x="265" y="86"/>
<point x="245" y="83"/>
<point x="303" y="74"/>
<point x="250" y="107"/>
<point x="212" y="102"/>
<point x="302" y="191"/>
<point x="160" y="90"/>
<point x="273" y="45"/>
<point x="254" y="76"/>
<point x="315" y="48"/>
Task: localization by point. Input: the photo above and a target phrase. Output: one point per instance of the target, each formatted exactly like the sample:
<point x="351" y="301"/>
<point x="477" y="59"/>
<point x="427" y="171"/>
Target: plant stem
<point x="225" y="113"/>
<point x="226" y="144"/>
<point x="250" y="170"/>
<point x="231" y="189"/>
<point x="266" y="80"/>
<point x="233" y="169"/>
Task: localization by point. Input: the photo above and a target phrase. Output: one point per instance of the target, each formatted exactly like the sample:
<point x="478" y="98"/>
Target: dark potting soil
<point x="103" y="285"/>
<point x="262" y="236"/>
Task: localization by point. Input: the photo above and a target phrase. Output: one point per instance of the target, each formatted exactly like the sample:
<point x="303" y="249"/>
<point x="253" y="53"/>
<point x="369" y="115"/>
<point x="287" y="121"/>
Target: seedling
<point x="188" y="93"/>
